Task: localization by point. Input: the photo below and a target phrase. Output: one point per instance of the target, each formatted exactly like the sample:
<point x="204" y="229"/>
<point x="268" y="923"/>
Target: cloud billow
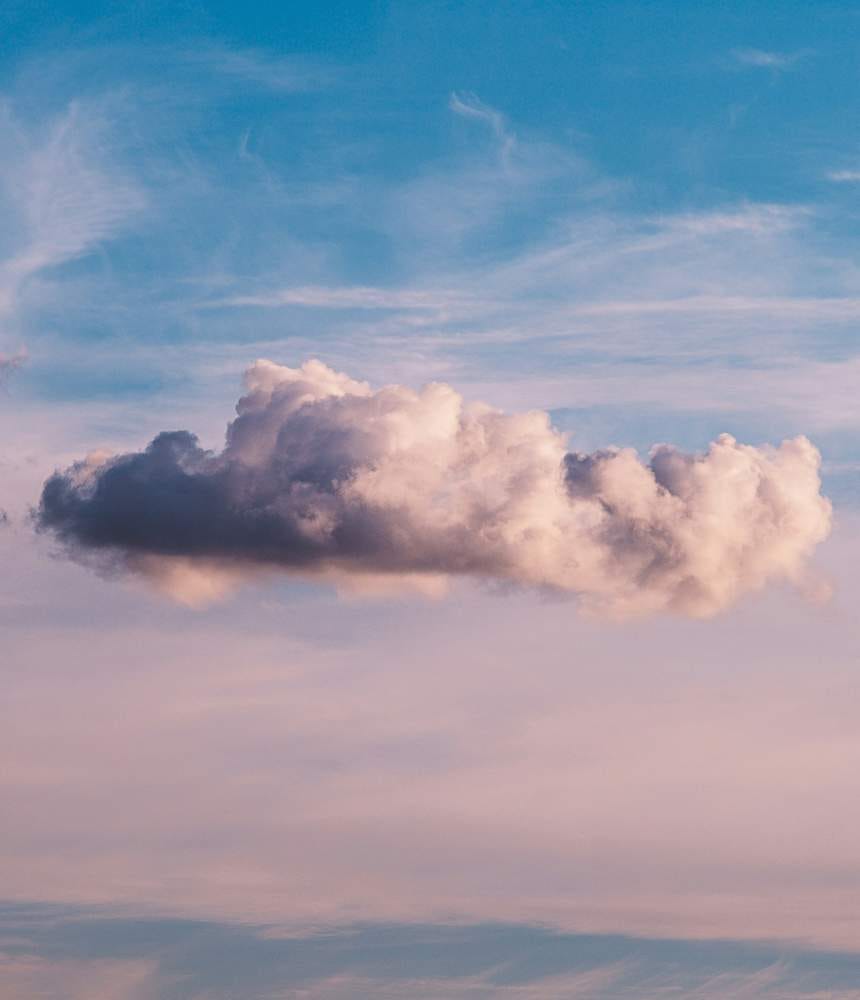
<point x="323" y="476"/>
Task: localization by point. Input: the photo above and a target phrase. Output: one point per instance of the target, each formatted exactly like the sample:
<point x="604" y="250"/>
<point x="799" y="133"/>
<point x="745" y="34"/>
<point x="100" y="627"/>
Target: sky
<point x="430" y="491"/>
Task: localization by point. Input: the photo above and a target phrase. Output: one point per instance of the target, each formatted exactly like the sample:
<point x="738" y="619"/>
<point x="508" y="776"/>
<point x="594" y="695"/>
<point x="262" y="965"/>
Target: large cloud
<point x="322" y="475"/>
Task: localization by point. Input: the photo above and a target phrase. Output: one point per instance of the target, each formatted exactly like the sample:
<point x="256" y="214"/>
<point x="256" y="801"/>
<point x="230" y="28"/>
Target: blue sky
<point x="659" y="189"/>
<point x="639" y="217"/>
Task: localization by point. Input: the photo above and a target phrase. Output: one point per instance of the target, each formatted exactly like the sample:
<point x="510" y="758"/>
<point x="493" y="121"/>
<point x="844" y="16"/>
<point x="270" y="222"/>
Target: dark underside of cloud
<point x="320" y="475"/>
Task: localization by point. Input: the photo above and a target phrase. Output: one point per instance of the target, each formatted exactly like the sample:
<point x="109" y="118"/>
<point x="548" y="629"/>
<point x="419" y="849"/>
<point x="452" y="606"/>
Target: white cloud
<point x="286" y="74"/>
<point x="322" y="475"/>
<point x="844" y="176"/>
<point x="470" y="106"/>
<point x="342" y="298"/>
<point x="62" y="197"/>
<point x="764" y="59"/>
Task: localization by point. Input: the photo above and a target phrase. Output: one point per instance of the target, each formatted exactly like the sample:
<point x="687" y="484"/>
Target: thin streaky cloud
<point x="822" y="393"/>
<point x="758" y="219"/>
<point x="70" y="197"/>
<point x="460" y="303"/>
<point x="844" y="176"/>
<point x="285" y="74"/>
<point x="591" y="255"/>
<point x="355" y="297"/>
<point x="764" y="59"/>
<point x="470" y="106"/>
<point x="811" y="308"/>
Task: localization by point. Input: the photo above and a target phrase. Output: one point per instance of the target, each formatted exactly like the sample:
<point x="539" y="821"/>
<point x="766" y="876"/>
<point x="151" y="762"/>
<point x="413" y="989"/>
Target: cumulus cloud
<point x="321" y="475"/>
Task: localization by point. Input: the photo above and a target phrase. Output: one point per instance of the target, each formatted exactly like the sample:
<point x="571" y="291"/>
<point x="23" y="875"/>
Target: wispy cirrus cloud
<point x="322" y="297"/>
<point x="727" y="288"/>
<point x="722" y="310"/>
<point x="766" y="59"/>
<point x="593" y="281"/>
<point x="844" y="176"/>
<point x="285" y="74"/>
<point x="471" y="106"/>
<point x="62" y="196"/>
